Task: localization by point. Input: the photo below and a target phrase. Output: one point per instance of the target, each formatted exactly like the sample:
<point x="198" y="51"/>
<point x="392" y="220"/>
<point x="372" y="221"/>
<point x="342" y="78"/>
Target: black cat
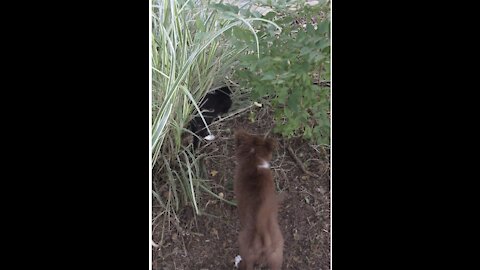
<point x="212" y="105"/>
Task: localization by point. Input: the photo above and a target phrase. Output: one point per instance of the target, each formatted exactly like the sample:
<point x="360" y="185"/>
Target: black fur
<point x="214" y="104"/>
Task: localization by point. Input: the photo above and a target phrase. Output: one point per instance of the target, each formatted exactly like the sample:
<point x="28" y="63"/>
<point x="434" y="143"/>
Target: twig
<point x="235" y="113"/>
<point x="300" y="164"/>
<point x="322" y="83"/>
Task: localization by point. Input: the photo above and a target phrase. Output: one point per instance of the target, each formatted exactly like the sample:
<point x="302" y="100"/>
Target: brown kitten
<point x="260" y="238"/>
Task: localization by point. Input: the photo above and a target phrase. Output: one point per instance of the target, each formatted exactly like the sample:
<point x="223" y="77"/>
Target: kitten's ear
<point x="241" y="136"/>
<point x="271" y="144"/>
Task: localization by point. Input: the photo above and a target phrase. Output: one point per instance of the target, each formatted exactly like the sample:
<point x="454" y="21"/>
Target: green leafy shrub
<point x="290" y="60"/>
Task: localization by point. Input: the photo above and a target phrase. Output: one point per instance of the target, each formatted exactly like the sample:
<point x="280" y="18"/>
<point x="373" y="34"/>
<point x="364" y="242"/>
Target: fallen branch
<point x="300" y="164"/>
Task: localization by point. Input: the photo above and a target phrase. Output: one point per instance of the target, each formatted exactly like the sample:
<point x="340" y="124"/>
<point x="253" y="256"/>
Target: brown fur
<point x="260" y="238"/>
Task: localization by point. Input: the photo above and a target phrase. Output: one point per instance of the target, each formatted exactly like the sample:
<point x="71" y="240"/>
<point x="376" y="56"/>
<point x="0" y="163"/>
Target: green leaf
<point x="225" y="7"/>
<point x="288" y="112"/>
<point x="286" y="21"/>
<point x="254" y="94"/>
<point x="294" y="101"/>
<point x="200" y="24"/>
<point x="323" y="27"/>
<point x="242" y="34"/>
<point x="268" y="76"/>
<point x="270" y="15"/>
<point x="246" y="13"/>
<point x="228" y="33"/>
<point x="310" y="29"/>
<point x="307" y="134"/>
<point x="261" y="90"/>
<point x="248" y="59"/>
<point x="326" y="74"/>
<point x="282" y="94"/>
<point x="256" y="14"/>
<point x="323" y="43"/>
<point x="243" y="74"/>
<point x="305" y="50"/>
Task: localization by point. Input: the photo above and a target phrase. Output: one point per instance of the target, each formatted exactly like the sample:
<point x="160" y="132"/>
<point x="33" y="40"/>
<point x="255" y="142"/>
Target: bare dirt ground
<point x="210" y="241"/>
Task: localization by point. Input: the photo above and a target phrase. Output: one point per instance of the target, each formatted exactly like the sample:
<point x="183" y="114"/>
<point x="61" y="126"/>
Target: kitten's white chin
<point x="263" y="165"/>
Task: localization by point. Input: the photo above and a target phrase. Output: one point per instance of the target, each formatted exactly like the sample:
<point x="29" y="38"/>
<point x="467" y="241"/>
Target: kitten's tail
<point x="264" y="216"/>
